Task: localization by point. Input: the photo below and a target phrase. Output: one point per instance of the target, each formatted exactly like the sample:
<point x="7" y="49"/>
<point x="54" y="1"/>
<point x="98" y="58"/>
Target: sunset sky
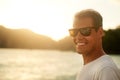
<point x="54" y="17"/>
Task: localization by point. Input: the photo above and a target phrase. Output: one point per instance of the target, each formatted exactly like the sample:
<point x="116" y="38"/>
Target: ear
<point x="101" y="32"/>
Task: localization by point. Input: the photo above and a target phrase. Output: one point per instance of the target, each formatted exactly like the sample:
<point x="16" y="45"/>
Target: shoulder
<point x="109" y="73"/>
<point x="107" y="65"/>
<point x="106" y="69"/>
<point x="106" y="61"/>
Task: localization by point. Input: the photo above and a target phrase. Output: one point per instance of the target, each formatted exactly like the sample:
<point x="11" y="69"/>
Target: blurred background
<point x="34" y="39"/>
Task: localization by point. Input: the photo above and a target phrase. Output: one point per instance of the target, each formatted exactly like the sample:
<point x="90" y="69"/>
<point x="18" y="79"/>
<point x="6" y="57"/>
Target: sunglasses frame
<point x="86" y="31"/>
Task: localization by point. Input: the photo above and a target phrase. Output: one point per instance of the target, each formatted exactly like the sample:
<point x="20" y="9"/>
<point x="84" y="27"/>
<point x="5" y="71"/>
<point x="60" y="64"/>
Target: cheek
<point x="91" y="40"/>
<point x="74" y="40"/>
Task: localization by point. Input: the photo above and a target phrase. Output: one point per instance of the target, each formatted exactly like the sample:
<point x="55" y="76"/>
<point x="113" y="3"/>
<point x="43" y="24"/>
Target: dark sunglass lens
<point x="73" y="32"/>
<point x="85" y="31"/>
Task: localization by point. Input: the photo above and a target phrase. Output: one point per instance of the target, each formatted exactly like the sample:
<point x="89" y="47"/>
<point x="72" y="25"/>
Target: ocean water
<point x="28" y="64"/>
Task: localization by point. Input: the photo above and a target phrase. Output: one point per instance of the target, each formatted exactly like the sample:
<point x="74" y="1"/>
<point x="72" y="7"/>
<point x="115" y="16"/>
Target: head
<point x="87" y="31"/>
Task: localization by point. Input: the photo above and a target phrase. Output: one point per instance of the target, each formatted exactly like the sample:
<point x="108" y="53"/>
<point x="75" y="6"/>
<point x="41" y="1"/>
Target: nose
<point x="78" y="37"/>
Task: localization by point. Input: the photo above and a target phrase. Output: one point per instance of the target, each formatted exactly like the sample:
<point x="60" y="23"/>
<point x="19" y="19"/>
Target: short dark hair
<point x="96" y="16"/>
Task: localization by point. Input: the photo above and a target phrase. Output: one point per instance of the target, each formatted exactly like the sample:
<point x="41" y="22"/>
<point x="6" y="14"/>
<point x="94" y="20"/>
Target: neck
<point x="92" y="56"/>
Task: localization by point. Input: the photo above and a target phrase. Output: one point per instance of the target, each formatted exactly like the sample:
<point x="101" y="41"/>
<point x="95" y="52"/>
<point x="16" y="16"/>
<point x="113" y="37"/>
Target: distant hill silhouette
<point x="23" y="38"/>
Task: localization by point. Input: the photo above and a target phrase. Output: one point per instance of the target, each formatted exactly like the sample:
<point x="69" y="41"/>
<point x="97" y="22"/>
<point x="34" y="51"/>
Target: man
<point x="87" y="34"/>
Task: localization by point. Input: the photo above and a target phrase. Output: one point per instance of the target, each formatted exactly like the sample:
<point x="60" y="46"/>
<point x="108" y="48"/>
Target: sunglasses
<point x="83" y="31"/>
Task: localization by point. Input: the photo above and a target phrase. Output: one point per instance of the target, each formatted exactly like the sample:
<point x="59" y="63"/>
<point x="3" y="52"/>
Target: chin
<point x="81" y="51"/>
<point x="78" y="51"/>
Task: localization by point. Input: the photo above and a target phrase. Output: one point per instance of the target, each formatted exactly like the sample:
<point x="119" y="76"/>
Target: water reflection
<point x="37" y="65"/>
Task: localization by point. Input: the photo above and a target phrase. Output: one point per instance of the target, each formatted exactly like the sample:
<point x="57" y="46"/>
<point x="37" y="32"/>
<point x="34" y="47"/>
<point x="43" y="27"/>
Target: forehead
<point x="83" y="22"/>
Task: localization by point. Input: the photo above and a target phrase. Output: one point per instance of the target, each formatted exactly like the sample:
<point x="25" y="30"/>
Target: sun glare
<point x="39" y="16"/>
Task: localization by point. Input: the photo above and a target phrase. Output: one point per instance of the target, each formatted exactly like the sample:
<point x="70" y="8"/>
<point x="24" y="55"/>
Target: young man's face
<point x="88" y="40"/>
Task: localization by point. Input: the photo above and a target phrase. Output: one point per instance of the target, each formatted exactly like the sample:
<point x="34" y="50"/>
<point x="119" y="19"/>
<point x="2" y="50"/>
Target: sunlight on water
<point x="40" y="65"/>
